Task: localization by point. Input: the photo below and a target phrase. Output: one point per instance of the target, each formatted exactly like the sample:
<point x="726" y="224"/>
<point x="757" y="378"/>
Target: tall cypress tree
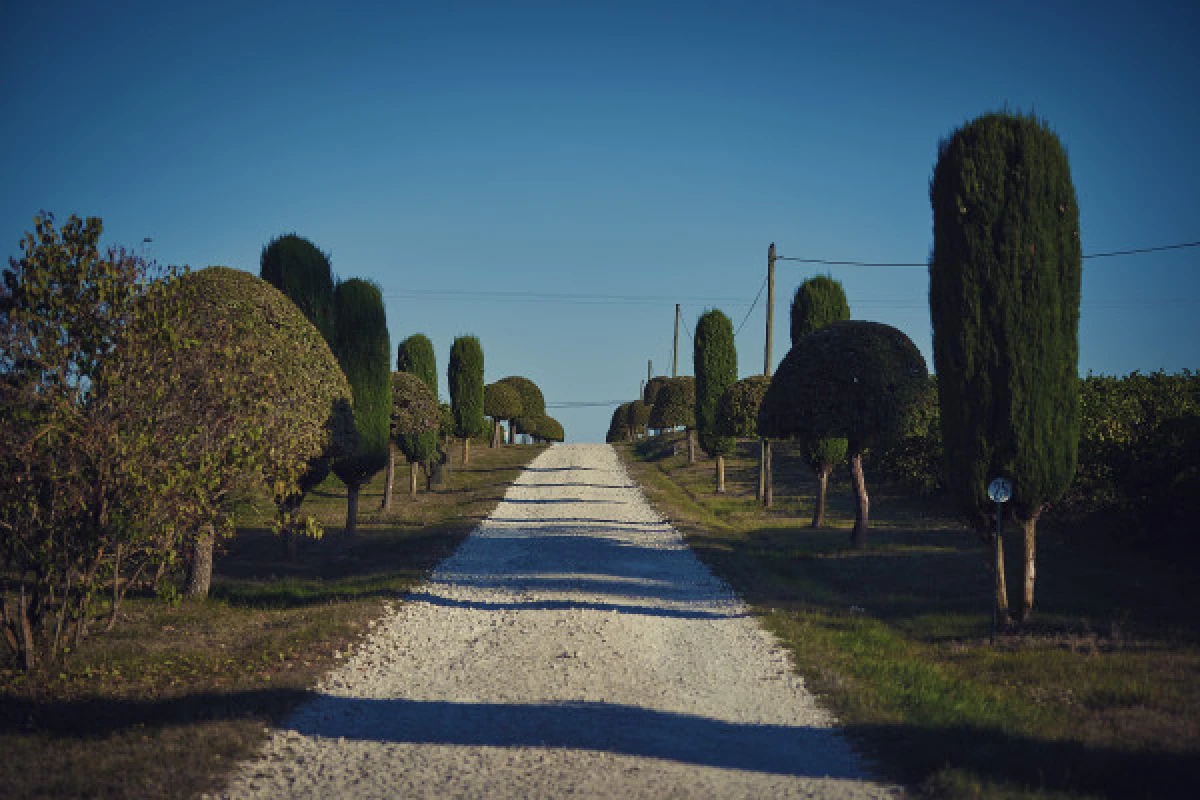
<point x="294" y="266"/>
<point x="819" y="301"/>
<point x="465" y="376"/>
<point x="1004" y="287"/>
<point x="416" y="355"/>
<point x="715" y="359"/>
<point x="362" y="348"/>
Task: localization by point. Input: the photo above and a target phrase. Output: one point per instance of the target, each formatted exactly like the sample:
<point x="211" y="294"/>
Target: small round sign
<point x="1000" y="490"/>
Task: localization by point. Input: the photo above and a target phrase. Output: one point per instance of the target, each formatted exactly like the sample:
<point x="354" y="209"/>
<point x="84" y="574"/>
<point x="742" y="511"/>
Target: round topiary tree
<point x="715" y="359"/>
<point x="1004" y="288"/>
<point x="297" y="268"/>
<point x="501" y="402"/>
<point x="416" y="355"/>
<point x="414" y="415"/>
<point x="737" y="411"/>
<point x="818" y="302"/>
<point x="465" y="376"/>
<point x="279" y="377"/>
<point x="849" y="379"/>
<point x="533" y="404"/>
<point x="652" y="388"/>
<point x="364" y="352"/>
<point x="618" y="427"/>
<point x="551" y="430"/>
<point x="637" y="419"/>
<point x="675" y="407"/>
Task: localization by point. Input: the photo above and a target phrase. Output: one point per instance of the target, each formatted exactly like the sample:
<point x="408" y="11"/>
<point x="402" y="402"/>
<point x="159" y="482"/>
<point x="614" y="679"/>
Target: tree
<point x="542" y="429"/>
<point x="675" y="407"/>
<point x="416" y="355"/>
<point x="414" y="414"/>
<point x="618" y="426"/>
<point x="737" y="411"/>
<point x="849" y="379"/>
<point x="819" y="301"/>
<point x="501" y="402"/>
<point x="533" y="404"/>
<point x="364" y="352"/>
<point x="715" y="358"/>
<point x="466" y="390"/>
<point x="279" y="397"/>
<point x="297" y="268"/>
<point x="637" y="418"/>
<point x="1004" y="288"/>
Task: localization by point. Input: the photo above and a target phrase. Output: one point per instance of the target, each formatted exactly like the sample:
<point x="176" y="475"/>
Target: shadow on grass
<point x="93" y="717"/>
<point x="1022" y="763"/>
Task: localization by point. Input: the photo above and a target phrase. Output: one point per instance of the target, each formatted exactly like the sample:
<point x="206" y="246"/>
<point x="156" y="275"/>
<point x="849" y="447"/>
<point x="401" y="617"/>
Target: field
<point x="155" y="708"/>
<point x="1099" y="697"/>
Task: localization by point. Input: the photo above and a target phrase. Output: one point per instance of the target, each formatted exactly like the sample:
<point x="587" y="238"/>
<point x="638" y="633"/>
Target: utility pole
<point x="649" y="369"/>
<point x="765" y="493"/>
<point x="675" y="352"/>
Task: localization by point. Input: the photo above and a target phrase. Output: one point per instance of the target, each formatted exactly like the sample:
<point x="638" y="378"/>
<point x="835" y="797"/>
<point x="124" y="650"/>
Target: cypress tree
<point x="416" y="355"/>
<point x="414" y="412"/>
<point x="715" y="359"/>
<point x="465" y="376"/>
<point x="618" y="429"/>
<point x="364" y="352"/>
<point x="297" y="268"/>
<point x="1004" y="287"/>
<point x="675" y="406"/>
<point x="819" y="301"/>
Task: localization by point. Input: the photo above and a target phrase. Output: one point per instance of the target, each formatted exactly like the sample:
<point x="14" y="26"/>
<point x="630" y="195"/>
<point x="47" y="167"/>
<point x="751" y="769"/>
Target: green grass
<point x="1100" y="697"/>
<point x="159" y="707"/>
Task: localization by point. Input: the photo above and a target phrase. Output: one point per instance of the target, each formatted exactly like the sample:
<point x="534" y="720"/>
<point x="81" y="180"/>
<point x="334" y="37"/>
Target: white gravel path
<point x="573" y="646"/>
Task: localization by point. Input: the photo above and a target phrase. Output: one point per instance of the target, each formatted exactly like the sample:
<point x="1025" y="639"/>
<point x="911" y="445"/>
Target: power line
<point x="1109" y="254"/>
<point x="752" y="305"/>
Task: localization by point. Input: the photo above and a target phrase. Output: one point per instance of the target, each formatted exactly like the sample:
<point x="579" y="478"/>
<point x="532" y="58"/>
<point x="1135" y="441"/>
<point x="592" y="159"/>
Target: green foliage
<point x="364" y="352"/>
<point x="715" y="358"/>
<point x="1004" y="300"/>
<point x="675" y="406"/>
<point x="501" y="401"/>
<point x="466" y="385"/>
<point x="414" y="420"/>
<point x="445" y="421"/>
<point x="533" y="404"/>
<point x="618" y="426"/>
<point x="821" y="454"/>
<point x="818" y="301"/>
<point x="737" y="411"/>
<point x="915" y="459"/>
<point x="416" y="355"/>
<point x="543" y="428"/>
<point x="853" y="380"/>
<point x="637" y="417"/>
<point x="297" y="268"/>
<point x="652" y="388"/>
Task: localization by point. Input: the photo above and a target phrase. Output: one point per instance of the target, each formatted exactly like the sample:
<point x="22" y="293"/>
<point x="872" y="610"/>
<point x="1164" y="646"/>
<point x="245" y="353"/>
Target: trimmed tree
<point x="850" y="379"/>
<point x="364" y="352"/>
<point x="1004" y="288"/>
<point x="416" y="355"/>
<point x="501" y="402"/>
<point x="465" y="376"/>
<point x="618" y="426"/>
<point x="675" y="407"/>
<point x="297" y="268"/>
<point x="819" y="301"/>
<point x="638" y="417"/>
<point x="414" y="416"/>
<point x="737" y="411"/>
<point x="533" y="404"/>
<point x="715" y="360"/>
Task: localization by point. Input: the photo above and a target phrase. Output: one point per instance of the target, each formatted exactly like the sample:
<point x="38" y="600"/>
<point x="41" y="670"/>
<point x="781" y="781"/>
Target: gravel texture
<point x="572" y="646"/>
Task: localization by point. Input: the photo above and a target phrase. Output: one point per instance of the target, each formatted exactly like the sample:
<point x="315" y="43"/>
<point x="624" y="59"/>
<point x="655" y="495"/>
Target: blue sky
<point x="554" y="177"/>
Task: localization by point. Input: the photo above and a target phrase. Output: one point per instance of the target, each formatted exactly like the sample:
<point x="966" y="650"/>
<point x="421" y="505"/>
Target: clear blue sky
<point x="553" y="177"/>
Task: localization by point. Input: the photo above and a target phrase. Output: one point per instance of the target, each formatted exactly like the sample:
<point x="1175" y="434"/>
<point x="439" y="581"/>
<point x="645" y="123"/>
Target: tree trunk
<point x="512" y="432"/>
<point x="691" y="439"/>
<point x="351" y="510"/>
<point x="769" y="475"/>
<point x="862" y="503"/>
<point x="389" y="481"/>
<point x="466" y="450"/>
<point x="720" y="474"/>
<point x="412" y="478"/>
<point x="1003" y="620"/>
<point x="28" y="649"/>
<point x="200" y="575"/>
<point x="762" y="472"/>
<point x="495" y="433"/>
<point x="818" y="519"/>
<point x="1029" y="564"/>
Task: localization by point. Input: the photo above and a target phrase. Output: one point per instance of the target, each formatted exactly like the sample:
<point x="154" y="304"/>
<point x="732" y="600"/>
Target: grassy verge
<point x="1100" y="698"/>
<point x="159" y="706"/>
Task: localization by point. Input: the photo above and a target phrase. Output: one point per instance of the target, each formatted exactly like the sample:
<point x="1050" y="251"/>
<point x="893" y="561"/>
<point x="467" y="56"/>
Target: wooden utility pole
<point x="649" y="369"/>
<point x="675" y="351"/>
<point x="765" y="494"/>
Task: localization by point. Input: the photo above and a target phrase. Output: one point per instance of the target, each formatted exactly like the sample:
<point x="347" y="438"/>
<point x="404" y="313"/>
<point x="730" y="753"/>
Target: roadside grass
<point x="161" y="705"/>
<point x="1099" y="697"/>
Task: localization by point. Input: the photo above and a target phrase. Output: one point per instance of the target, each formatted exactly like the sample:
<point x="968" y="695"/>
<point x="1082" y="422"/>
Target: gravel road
<point x="572" y="646"/>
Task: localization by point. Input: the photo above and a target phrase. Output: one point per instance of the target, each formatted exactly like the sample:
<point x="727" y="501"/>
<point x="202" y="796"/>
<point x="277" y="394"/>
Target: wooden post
<point x="675" y="351"/>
